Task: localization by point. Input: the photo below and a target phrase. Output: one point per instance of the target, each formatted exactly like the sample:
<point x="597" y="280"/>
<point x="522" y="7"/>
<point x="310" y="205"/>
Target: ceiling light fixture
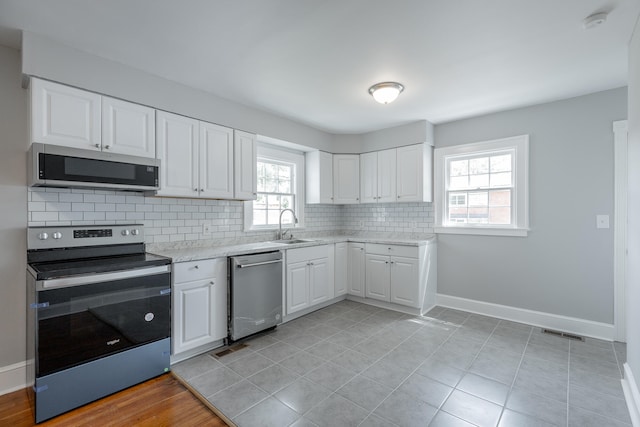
<point x="594" y="20"/>
<point x="385" y="92"/>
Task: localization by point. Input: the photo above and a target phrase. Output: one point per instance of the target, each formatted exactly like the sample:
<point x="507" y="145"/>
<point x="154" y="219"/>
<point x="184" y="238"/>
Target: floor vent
<point x="563" y="334"/>
<point x="229" y="350"/>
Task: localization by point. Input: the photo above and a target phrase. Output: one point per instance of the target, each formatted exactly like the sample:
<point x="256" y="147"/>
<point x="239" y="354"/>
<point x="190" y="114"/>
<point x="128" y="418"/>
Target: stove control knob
<point x="125" y="232"/>
<point x="57" y="235"/>
<point x="43" y="236"/>
<point x="135" y="232"/>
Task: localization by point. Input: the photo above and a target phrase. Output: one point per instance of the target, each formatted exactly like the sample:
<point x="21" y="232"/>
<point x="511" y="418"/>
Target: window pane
<point x="271" y="185"/>
<point x="479" y="181"/>
<point x="273" y="215"/>
<point x="501" y="163"/>
<point x="459" y="167"/>
<point x="478" y="215"/>
<point x="273" y="202"/>
<point x="286" y="202"/>
<point x="500" y="216"/>
<point x="500" y="198"/>
<point x="260" y="202"/>
<point x="284" y="187"/>
<point x="502" y="179"/>
<point x="479" y="166"/>
<point x="458" y="199"/>
<point x="458" y="214"/>
<point x="459" y="182"/>
<point x="284" y="172"/>
<point x="259" y="217"/>
<point x="479" y="199"/>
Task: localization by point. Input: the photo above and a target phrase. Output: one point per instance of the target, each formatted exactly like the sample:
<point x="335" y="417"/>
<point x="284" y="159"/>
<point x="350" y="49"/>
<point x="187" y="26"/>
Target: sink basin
<point x="292" y="241"/>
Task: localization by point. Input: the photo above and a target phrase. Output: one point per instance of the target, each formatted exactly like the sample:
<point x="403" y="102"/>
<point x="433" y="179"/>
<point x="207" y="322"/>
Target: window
<point x="280" y="186"/>
<point x="482" y="188"/>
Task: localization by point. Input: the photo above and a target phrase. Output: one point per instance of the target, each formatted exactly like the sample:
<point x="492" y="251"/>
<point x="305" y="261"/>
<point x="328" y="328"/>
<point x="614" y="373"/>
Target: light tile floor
<point x="352" y="364"/>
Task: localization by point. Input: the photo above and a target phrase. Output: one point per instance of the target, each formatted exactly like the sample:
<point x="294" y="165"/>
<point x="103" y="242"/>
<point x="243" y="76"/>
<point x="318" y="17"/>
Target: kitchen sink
<point x="292" y="241"/>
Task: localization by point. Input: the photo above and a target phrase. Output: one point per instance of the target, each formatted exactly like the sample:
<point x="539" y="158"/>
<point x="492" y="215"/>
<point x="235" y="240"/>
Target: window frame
<point x="276" y="154"/>
<point x="520" y="176"/>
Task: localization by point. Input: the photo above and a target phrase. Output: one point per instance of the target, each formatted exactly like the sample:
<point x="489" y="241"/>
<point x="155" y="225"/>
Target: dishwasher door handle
<point x="255" y="264"/>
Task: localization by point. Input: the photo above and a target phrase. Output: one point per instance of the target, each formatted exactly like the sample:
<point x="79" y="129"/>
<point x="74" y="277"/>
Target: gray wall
<point x="633" y="231"/>
<point x="565" y="265"/>
<point x="13" y="210"/>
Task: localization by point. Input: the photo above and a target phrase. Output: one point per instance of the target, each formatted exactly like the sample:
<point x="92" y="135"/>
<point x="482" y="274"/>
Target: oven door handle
<point x="65" y="282"/>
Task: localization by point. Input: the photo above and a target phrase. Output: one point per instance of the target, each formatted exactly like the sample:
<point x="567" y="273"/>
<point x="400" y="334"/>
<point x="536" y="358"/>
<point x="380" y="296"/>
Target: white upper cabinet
<point x="197" y="158"/>
<point x="128" y="128"/>
<point x="63" y="115"/>
<point x="369" y="177"/>
<point x="378" y="177"/>
<point x="319" y="177"/>
<point x="177" y="148"/>
<point x="246" y="166"/>
<point x="346" y="178"/>
<point x="414" y="166"/>
<point x="216" y="161"/>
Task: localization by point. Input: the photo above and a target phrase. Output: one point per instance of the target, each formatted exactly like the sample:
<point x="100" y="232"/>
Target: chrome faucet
<point x="295" y="221"/>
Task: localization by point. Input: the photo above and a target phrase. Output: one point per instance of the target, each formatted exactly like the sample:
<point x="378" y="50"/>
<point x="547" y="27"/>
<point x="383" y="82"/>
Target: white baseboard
<point x="631" y="395"/>
<point x="13" y="377"/>
<point x="574" y="325"/>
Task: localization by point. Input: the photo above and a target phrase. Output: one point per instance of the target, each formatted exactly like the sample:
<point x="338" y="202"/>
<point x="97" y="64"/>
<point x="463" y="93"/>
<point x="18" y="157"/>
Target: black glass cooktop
<point x="75" y="267"/>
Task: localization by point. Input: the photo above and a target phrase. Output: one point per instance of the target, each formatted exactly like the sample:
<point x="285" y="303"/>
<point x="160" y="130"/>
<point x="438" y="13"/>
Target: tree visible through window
<point x="276" y="191"/>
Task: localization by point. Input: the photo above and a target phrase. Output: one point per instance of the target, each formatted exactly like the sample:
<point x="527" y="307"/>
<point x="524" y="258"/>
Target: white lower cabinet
<point x="199" y="303"/>
<point x="309" y="276"/>
<point x="394" y="274"/>
<point x="355" y="269"/>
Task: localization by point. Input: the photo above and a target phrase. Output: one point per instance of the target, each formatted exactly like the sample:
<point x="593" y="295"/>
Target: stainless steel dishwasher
<point x="255" y="293"/>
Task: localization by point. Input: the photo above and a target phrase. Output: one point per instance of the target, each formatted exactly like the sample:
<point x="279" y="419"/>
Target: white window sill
<point x="480" y="231"/>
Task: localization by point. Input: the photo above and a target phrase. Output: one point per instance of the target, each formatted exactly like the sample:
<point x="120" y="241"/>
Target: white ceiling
<point x="313" y="60"/>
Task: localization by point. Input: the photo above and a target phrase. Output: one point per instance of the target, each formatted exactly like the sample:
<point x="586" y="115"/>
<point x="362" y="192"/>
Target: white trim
<point x="620" y="228"/>
<point x="290" y="156"/>
<point x="631" y="395"/>
<point x="573" y="325"/>
<point x="483" y="231"/>
<point x="13" y="377"/>
<point x="520" y="145"/>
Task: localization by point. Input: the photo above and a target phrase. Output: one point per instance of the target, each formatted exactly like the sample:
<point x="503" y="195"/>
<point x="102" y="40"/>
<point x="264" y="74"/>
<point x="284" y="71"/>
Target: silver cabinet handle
<point x="196" y="266"/>
<point x="201" y="190"/>
<point x="195" y="189"/>
<point x="97" y="145"/>
<point x="106" y="147"/>
<point x="212" y="282"/>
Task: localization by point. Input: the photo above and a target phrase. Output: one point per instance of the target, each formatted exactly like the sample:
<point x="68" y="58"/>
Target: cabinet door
<point x="128" y="128"/>
<point x="319" y="282"/>
<point x="369" y="177"/>
<point x="319" y="177"/>
<point x="341" y="273"/>
<point x="245" y="166"/>
<point x="192" y="314"/>
<point x="405" y="288"/>
<point x="297" y="286"/>
<point x="411" y="162"/>
<point x="216" y="161"/>
<point x="377" y="277"/>
<point x="346" y="178"/>
<point x="355" y="284"/>
<point x="63" y="115"/>
<point x="177" y="149"/>
<point x="386" y="188"/>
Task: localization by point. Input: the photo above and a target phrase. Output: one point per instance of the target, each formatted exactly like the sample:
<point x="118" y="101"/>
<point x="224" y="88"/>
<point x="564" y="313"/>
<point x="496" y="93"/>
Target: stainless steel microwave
<point x="57" y="166"/>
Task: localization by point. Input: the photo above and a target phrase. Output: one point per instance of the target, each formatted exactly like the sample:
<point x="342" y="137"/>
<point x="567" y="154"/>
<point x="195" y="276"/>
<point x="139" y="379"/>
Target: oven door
<point x="83" y="318"/>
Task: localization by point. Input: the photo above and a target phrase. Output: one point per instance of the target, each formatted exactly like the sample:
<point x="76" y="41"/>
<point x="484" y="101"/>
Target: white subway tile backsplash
<point x="180" y="219"/>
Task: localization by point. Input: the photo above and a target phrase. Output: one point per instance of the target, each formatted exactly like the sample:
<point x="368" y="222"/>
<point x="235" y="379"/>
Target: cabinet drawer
<point x="197" y="270"/>
<point x="305" y="254"/>
<point x="392" y="250"/>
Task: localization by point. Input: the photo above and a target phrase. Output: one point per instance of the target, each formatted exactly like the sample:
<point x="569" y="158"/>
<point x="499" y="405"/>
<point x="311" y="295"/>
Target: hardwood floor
<point x="159" y="402"/>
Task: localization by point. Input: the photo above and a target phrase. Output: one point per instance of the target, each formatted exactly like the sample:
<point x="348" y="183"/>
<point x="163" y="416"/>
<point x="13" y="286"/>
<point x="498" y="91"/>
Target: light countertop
<point x="186" y="253"/>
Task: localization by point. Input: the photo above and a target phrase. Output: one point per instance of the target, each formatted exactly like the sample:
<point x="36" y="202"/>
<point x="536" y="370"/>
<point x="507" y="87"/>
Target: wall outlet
<point x="207" y="229"/>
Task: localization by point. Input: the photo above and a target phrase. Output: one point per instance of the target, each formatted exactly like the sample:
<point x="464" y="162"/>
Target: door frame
<point x="620" y="228"/>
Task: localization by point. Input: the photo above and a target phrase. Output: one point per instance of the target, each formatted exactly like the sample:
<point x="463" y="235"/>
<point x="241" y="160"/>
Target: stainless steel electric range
<point x="99" y="314"/>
